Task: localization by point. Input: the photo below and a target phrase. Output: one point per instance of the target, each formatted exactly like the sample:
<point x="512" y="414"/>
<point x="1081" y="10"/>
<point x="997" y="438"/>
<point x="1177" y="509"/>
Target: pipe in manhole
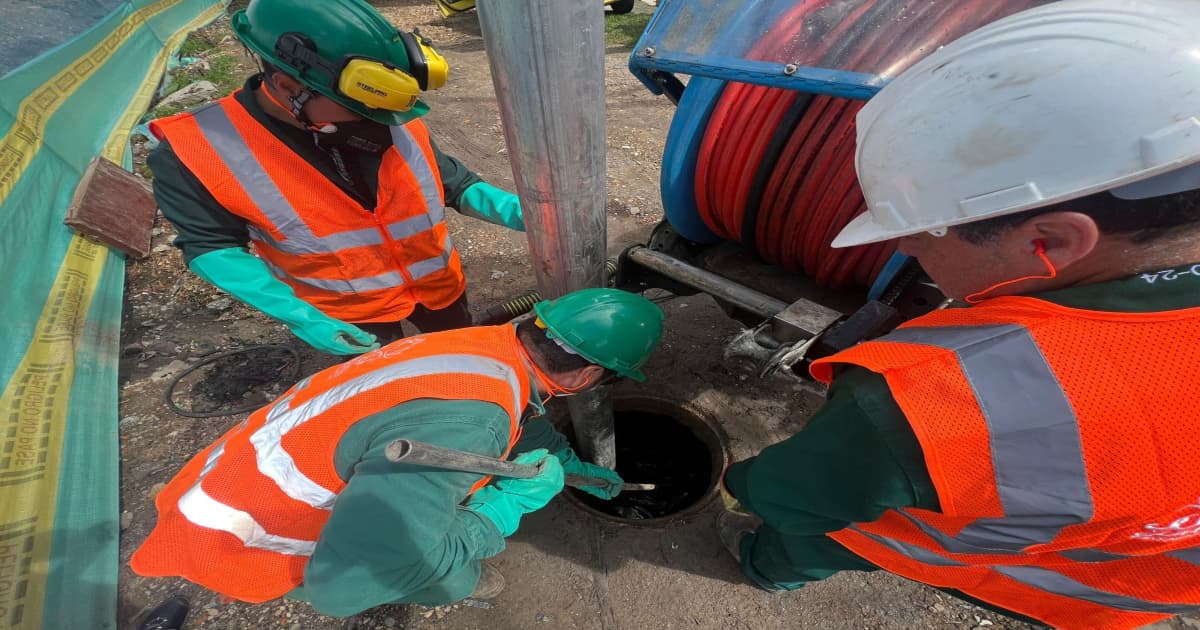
<point x="661" y="442"/>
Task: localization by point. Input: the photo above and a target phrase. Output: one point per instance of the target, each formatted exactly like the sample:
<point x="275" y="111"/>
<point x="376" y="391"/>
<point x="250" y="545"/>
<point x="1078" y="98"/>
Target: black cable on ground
<point x="168" y="395"/>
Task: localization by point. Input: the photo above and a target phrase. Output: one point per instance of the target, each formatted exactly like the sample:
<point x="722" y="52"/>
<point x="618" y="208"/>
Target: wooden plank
<point x="113" y="206"/>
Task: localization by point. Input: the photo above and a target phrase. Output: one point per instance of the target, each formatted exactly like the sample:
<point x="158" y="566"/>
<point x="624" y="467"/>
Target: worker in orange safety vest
<point x="1033" y="448"/>
<point x="323" y="164"/>
<point x="301" y="500"/>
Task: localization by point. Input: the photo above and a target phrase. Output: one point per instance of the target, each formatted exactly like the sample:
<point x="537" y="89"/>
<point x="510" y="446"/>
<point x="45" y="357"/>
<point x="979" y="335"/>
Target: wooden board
<point x="113" y="206"/>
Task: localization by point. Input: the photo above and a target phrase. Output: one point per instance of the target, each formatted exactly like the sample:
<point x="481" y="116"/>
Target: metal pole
<point x="547" y="62"/>
<point x="430" y="456"/>
<point x="739" y="295"/>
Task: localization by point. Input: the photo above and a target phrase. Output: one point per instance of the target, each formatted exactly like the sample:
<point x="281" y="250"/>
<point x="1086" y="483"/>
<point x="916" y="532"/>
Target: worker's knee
<point x="452" y="588"/>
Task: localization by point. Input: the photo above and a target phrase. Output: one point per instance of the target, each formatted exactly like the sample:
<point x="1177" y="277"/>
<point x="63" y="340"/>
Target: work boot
<point x="491" y="582"/>
<point x="168" y="615"/>
<point x="732" y="527"/>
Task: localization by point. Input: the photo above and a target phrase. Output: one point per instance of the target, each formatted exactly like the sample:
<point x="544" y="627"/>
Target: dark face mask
<point x="363" y="135"/>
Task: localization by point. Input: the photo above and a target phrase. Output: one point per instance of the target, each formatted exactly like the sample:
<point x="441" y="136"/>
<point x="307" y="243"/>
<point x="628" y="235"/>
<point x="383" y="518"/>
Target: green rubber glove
<point x="248" y="279"/>
<point x="484" y="201"/>
<point x="505" y="501"/>
<point x="573" y="465"/>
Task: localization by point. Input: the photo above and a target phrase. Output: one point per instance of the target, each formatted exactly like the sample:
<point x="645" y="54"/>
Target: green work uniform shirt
<point x="858" y="455"/>
<point x="398" y="533"/>
<point x="204" y="225"/>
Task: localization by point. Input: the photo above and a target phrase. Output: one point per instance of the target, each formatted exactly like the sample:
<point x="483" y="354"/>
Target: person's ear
<point x="577" y="380"/>
<point x="1065" y="237"/>
<point x="284" y="83"/>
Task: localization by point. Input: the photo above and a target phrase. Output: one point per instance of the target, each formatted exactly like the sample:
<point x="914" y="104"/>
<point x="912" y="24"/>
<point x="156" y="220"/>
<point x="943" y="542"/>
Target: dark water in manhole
<point x="656" y="448"/>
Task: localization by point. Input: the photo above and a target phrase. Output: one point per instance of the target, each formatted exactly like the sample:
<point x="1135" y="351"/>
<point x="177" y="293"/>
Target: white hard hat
<point x="1050" y="104"/>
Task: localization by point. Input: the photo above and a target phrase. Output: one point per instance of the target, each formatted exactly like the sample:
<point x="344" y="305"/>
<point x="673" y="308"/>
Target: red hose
<point x="810" y="191"/>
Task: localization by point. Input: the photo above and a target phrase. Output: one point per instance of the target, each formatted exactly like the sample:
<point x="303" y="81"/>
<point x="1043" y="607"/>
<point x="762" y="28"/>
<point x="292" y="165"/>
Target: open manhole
<point x="660" y="442"/>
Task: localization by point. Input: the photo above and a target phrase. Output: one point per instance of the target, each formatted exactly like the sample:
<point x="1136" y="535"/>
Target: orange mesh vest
<point x="352" y="264"/>
<point x="243" y="516"/>
<point x="1062" y="444"/>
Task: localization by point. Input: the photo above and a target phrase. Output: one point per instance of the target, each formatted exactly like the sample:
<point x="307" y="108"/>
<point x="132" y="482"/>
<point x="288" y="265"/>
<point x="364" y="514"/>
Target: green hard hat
<point x="337" y="28"/>
<point x="609" y="327"/>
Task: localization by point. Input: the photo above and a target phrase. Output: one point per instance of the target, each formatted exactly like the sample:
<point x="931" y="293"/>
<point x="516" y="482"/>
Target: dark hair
<point x="553" y="358"/>
<point x="1141" y="220"/>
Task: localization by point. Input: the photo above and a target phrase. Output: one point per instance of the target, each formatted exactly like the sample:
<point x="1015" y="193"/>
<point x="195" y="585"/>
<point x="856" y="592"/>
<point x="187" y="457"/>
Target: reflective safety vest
<point x="352" y="264"/>
<point x="243" y="516"/>
<point x="1063" y="447"/>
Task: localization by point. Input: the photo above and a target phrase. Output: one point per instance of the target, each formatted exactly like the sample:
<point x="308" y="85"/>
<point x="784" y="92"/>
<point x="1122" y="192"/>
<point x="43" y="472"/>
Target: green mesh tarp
<point x="75" y="76"/>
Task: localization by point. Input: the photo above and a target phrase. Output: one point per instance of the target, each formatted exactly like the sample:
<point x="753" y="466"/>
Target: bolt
<point x="649" y="52"/>
<point x="790" y="69"/>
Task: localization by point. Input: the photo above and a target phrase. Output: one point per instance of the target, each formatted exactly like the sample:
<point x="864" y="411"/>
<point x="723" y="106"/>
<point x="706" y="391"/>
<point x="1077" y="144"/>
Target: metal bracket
<point x="778" y="344"/>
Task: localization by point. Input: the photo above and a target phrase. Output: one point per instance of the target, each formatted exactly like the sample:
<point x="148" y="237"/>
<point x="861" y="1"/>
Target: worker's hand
<point x="246" y="277"/>
<point x="572" y="465"/>
<point x="506" y="500"/>
<point x="332" y="335"/>
<point x="730" y="502"/>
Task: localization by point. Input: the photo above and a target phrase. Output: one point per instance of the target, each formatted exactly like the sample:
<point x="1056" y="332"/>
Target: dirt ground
<point x="565" y="567"/>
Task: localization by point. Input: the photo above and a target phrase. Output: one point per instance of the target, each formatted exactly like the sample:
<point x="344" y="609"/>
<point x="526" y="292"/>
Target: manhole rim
<point x="702" y="425"/>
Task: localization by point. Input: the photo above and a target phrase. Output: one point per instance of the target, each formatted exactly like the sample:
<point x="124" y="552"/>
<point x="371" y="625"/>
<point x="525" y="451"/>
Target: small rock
<point x="497" y="274"/>
<point x="128" y="420"/>
<point x="191" y="94"/>
<point x="389" y="622"/>
<point x="939" y="608"/>
<point x="296" y="626"/>
<point x="158" y="249"/>
<point x="156" y="231"/>
<point x="132" y="350"/>
<point x="541" y="618"/>
<point x="634" y="210"/>
<point x="126" y="519"/>
<point x="220" y="304"/>
<point x="168" y="370"/>
<point x="427" y="614"/>
<point x="201" y="66"/>
<point x="155" y="489"/>
<point x="202" y="349"/>
<point x="476" y="603"/>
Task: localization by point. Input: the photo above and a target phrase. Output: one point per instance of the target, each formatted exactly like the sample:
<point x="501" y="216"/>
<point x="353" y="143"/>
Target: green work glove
<point x="248" y="279"/>
<point x="484" y="201"/>
<point x="506" y="500"/>
<point x="574" y="466"/>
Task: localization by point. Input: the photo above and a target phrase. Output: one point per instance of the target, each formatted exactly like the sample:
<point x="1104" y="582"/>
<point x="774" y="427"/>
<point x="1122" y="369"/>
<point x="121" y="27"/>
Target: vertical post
<point x="547" y="63"/>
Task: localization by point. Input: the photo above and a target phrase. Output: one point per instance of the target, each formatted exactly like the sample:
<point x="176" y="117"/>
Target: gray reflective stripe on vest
<point x="278" y="465"/>
<point x="339" y="285"/>
<point x="411" y="151"/>
<point x="1033" y="433"/>
<point x="416" y="225"/>
<point x="204" y="511"/>
<point x="229" y="145"/>
<point x="919" y="554"/>
<point x="1059" y="584"/>
<point x="423" y="268"/>
<point x="1190" y="555"/>
<point x="1033" y="577"/>
<point x="1091" y="555"/>
<point x="201" y="509"/>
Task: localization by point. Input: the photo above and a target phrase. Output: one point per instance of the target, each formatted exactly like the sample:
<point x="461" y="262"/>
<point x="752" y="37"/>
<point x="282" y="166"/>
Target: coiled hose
<point x="522" y="304"/>
<point x="775" y="169"/>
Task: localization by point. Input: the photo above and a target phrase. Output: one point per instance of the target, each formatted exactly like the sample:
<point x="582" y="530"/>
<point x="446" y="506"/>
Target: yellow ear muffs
<point x="377" y="86"/>
<point x="424" y="61"/>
